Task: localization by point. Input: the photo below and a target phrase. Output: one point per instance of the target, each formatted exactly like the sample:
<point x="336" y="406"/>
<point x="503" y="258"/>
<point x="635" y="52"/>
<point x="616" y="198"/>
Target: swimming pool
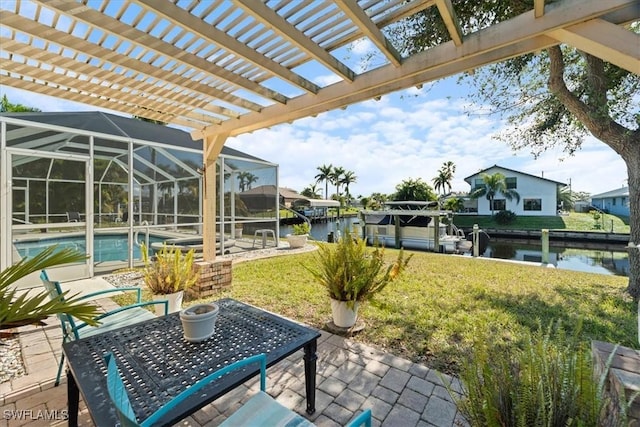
<point x="106" y="247"/>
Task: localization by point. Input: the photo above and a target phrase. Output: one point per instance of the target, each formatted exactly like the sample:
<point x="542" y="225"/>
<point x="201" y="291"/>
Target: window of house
<point x="512" y="183"/>
<point x="478" y="183"/>
<point x="532" y="204"/>
<point x="499" y="205"/>
<point x="614" y="201"/>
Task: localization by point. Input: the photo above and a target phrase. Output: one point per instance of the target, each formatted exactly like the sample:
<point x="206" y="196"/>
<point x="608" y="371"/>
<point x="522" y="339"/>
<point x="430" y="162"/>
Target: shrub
<point x="301" y="229"/>
<point x="351" y="272"/>
<point x="547" y="382"/>
<point x="170" y="271"/>
<point x="505" y="217"/>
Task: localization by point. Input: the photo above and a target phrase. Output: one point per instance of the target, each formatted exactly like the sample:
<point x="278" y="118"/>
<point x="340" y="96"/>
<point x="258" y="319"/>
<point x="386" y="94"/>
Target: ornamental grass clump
<point x="549" y="382"/>
<point x="301" y="229"/>
<point x="351" y="272"/>
<point x="169" y="271"/>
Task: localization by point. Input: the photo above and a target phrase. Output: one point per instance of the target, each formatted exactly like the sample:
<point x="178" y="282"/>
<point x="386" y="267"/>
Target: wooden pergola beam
<point x="370" y="30"/>
<point x="75" y="44"/>
<point x="517" y="36"/>
<point x="538" y="8"/>
<point x="211" y="34"/>
<point x="451" y="20"/>
<point x="212" y="146"/>
<point x="605" y="40"/>
<point x="95" y="19"/>
<point x="270" y="18"/>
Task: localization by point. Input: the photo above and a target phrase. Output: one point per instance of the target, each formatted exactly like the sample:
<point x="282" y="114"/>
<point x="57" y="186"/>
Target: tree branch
<point x="601" y="126"/>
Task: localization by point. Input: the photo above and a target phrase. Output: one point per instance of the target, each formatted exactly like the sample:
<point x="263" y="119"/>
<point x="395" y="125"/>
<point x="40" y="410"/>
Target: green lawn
<point x="436" y="308"/>
<point x="573" y="221"/>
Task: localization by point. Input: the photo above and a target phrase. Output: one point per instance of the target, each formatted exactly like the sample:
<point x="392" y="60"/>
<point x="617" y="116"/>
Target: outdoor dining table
<point x="157" y="363"/>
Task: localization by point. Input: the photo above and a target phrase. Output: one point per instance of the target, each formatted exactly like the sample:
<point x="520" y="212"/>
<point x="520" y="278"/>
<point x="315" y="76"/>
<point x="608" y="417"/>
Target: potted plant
<point x="352" y="273"/>
<point x="300" y="233"/>
<point x="199" y="321"/>
<point x="169" y="274"/>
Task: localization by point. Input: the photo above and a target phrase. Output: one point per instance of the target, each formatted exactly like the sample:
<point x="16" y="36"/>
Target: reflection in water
<point x="606" y="260"/>
<point x="320" y="231"/>
<point x="610" y="260"/>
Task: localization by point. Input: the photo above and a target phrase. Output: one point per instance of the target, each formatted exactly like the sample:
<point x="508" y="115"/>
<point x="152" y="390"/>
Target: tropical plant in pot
<point x="19" y="309"/>
<point x="352" y="273"/>
<point x="168" y="274"/>
<point x="300" y="234"/>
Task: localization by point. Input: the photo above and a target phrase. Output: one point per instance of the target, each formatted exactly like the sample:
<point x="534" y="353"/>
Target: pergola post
<point x="212" y="146"/>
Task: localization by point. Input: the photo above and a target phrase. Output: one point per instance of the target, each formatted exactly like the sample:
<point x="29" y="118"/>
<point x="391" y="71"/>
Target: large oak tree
<point x="555" y="97"/>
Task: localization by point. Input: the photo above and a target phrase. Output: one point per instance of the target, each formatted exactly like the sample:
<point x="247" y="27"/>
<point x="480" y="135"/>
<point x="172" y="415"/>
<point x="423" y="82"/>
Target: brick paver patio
<point x="351" y="377"/>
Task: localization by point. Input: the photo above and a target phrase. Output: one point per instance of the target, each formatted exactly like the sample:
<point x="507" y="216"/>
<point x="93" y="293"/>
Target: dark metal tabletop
<point x="157" y="363"/>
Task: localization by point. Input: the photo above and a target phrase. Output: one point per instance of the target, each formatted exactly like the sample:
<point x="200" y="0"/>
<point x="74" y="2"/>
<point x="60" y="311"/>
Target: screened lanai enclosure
<point x="106" y="184"/>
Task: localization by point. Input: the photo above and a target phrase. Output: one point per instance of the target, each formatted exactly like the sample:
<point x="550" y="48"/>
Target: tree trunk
<point x="632" y="159"/>
<point x="626" y="142"/>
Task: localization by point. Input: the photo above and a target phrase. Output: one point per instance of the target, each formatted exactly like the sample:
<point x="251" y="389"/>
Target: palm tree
<point x="336" y="176"/>
<point x="349" y="177"/>
<point x="378" y="200"/>
<point x="245" y="179"/>
<point x="18" y="310"/>
<point x="324" y="175"/>
<point x="455" y="204"/>
<point x="311" y="191"/>
<point x="493" y="185"/>
<point x="449" y="167"/>
<point x="442" y="182"/>
<point x="566" y="199"/>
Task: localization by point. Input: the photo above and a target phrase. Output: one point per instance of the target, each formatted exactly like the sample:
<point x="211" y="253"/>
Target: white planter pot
<point x="343" y="316"/>
<point x="199" y="321"/>
<point x="174" y="300"/>
<point x="297" y="240"/>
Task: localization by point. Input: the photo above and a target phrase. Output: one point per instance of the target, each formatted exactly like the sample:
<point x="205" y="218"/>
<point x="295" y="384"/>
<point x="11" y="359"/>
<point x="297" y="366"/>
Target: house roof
<point x="111" y="124"/>
<point x="618" y="192"/>
<point x="468" y="179"/>
<point x="289" y="193"/>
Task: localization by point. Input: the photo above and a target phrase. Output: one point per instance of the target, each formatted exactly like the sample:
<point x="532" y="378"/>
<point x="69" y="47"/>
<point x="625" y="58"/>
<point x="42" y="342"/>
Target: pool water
<point x="106" y="247"/>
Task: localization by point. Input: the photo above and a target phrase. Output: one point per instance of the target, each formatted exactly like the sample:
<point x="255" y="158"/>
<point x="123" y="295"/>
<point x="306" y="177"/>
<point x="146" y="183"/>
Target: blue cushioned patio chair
<point x="122" y="316"/>
<point x="260" y="410"/>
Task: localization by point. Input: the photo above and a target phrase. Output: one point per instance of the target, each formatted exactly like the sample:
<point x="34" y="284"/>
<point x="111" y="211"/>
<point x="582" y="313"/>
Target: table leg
<point x="310" y="358"/>
<point x="73" y="398"/>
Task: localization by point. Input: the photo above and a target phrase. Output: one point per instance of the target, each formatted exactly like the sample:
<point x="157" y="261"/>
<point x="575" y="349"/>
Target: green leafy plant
<point x="301" y="229"/>
<point x="547" y="382"/>
<point x="169" y="271"/>
<point x="18" y="310"/>
<point x="352" y="272"/>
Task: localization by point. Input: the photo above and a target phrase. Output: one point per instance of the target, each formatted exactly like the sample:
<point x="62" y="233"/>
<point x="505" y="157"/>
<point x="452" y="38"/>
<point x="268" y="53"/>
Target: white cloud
<point x="399" y="137"/>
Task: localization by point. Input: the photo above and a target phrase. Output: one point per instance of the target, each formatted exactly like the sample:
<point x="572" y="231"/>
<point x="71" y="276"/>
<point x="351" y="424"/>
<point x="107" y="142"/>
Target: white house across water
<point x="538" y="195"/>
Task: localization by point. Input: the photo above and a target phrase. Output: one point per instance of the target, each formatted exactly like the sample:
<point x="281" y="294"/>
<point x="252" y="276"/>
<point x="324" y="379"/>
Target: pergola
<point x="223" y="68"/>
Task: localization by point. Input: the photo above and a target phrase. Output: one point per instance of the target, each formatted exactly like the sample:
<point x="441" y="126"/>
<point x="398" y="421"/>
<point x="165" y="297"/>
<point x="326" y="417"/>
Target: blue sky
<point x="407" y="134"/>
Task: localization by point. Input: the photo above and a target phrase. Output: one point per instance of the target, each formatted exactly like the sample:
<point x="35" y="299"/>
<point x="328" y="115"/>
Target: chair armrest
<point x="364" y="419"/>
<point x="128" y="307"/>
<point x="260" y="358"/>
<point x="107" y="291"/>
<point x="136" y="305"/>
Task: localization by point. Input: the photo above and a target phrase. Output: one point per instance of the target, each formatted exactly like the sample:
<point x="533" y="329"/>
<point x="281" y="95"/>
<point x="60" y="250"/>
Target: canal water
<point x="605" y="259"/>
